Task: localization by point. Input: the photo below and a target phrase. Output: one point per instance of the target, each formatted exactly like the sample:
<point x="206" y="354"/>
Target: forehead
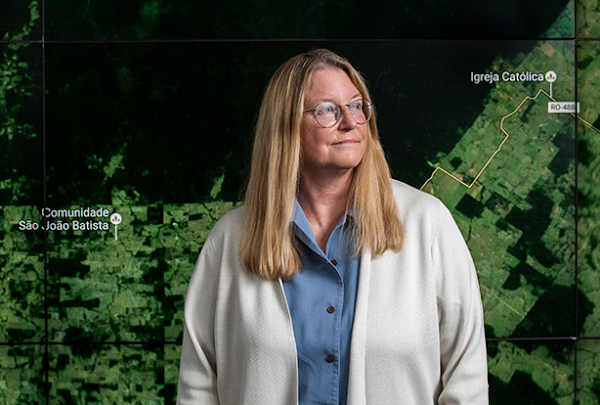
<point x="331" y="84"/>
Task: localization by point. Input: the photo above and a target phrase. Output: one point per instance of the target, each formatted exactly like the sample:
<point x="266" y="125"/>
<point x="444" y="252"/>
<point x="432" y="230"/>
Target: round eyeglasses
<point x="328" y="113"/>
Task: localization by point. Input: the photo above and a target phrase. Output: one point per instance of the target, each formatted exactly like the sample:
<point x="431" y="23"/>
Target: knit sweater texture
<point x="417" y="337"/>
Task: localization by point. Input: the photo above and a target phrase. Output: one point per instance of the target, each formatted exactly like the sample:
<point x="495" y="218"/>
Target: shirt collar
<point x="304" y="231"/>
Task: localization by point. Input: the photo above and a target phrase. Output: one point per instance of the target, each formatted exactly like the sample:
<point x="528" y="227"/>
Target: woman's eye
<point x="327" y="109"/>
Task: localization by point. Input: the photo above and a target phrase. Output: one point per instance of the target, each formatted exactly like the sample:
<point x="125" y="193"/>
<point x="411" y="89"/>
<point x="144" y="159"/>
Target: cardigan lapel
<point x="357" y="378"/>
<point x="294" y="372"/>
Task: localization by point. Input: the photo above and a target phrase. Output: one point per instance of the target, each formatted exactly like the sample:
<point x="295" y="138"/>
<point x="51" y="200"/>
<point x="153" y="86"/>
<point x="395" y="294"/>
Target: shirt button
<point x="334" y="262"/>
<point x="331" y="310"/>
<point x="329" y="359"/>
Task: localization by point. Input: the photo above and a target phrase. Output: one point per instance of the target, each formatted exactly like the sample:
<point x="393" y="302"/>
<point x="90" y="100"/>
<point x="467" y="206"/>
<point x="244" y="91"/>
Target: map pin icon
<point x="116" y="220"/>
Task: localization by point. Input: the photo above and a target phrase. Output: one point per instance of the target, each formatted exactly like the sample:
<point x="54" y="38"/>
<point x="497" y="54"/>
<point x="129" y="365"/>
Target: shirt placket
<point x="330" y="303"/>
<point x="338" y="309"/>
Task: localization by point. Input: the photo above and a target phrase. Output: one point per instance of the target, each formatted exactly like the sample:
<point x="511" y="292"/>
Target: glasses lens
<point x="361" y="109"/>
<point x="327" y="114"/>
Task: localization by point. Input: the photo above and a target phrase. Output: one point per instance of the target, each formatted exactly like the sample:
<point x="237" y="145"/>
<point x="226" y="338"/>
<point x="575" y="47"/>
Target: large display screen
<point x="125" y="134"/>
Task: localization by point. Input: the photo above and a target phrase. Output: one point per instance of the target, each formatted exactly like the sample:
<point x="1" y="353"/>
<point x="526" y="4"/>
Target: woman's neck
<point x="324" y="201"/>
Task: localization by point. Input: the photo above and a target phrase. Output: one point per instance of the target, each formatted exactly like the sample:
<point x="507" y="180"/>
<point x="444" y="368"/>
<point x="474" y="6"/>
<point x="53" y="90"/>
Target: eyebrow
<point x="328" y="100"/>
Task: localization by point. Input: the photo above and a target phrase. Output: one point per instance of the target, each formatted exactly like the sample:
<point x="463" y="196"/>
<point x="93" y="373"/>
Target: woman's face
<point x="342" y="146"/>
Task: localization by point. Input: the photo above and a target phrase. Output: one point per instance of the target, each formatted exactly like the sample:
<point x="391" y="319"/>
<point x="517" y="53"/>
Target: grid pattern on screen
<point x="145" y="110"/>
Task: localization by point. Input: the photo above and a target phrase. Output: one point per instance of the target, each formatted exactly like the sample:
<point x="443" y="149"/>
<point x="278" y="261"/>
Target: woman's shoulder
<point x="420" y="211"/>
<point x="410" y="198"/>
<point x="231" y="219"/>
<point x="230" y="224"/>
<point x="221" y="245"/>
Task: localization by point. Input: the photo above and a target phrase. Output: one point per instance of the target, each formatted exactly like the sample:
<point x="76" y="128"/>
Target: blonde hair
<point x="268" y="245"/>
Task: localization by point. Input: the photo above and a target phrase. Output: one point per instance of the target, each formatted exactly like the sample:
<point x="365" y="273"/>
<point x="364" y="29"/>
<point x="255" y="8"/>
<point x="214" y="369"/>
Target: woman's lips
<point x="346" y="142"/>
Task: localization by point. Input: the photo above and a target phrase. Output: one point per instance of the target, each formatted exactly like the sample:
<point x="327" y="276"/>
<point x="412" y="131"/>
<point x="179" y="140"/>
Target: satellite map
<point x="119" y="157"/>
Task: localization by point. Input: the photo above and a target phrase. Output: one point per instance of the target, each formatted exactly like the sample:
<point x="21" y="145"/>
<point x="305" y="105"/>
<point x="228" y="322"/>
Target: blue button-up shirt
<point x="321" y="300"/>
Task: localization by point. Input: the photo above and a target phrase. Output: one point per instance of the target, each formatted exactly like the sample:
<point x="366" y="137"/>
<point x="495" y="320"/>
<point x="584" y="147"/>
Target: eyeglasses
<point x="328" y="114"/>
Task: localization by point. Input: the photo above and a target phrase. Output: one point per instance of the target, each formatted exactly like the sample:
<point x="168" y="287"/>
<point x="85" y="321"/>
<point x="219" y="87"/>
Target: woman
<point x="332" y="284"/>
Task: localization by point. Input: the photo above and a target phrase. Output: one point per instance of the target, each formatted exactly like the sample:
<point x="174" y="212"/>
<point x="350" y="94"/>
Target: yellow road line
<point x="588" y="124"/>
<point x="441" y="169"/>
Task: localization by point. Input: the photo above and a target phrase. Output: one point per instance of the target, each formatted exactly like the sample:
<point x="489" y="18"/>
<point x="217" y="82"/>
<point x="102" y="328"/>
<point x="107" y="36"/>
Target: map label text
<point x="562" y="107"/>
<point x="491" y="77"/>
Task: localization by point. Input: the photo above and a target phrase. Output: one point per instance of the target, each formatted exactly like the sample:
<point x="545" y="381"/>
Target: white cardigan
<point x="418" y="324"/>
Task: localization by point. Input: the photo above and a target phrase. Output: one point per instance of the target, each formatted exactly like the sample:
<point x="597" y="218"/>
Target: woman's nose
<point x="347" y="119"/>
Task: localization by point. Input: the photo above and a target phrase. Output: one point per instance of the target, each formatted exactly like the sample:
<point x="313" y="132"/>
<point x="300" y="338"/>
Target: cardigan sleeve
<point x="197" y="371"/>
<point x="460" y="316"/>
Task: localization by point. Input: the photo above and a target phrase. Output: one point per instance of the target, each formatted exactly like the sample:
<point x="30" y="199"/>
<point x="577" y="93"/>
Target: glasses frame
<point x="367" y="102"/>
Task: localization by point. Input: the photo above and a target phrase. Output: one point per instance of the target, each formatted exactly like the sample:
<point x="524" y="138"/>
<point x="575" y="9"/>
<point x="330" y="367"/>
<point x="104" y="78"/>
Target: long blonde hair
<point x="268" y="245"/>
